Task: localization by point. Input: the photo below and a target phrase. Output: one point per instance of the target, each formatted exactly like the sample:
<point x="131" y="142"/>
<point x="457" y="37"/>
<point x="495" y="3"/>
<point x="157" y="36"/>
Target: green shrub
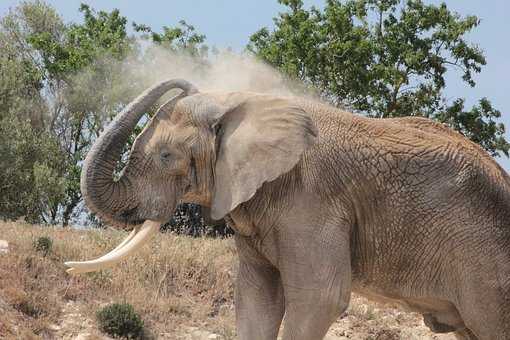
<point x="27" y="308"/>
<point x="43" y="244"/>
<point x="120" y="320"/>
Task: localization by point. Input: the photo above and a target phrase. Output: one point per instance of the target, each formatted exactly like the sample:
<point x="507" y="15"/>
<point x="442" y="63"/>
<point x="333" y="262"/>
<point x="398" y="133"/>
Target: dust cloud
<point x="225" y="71"/>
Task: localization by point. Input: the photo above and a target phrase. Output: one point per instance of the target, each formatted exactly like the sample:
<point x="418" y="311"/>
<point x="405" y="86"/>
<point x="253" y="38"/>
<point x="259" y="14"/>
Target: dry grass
<point x="179" y="285"/>
<point x="174" y="282"/>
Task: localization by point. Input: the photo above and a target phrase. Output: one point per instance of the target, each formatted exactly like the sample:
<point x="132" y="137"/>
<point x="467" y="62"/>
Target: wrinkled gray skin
<point x="324" y="203"/>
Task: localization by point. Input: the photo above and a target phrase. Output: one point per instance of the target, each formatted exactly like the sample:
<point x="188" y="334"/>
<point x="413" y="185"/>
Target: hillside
<point x="182" y="287"/>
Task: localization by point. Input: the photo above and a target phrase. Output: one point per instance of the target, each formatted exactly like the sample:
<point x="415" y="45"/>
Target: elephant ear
<point x="258" y="140"/>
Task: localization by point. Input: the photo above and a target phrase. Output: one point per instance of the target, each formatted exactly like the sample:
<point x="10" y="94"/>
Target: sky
<point x="229" y="23"/>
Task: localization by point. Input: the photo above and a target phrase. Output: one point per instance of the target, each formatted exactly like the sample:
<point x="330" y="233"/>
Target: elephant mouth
<point x="132" y="224"/>
<point x="129" y="219"/>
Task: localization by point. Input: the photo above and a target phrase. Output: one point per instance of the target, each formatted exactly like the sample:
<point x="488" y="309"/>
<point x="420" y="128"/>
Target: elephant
<point x="323" y="202"/>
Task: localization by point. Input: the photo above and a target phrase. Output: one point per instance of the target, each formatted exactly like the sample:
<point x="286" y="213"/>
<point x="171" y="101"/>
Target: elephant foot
<point x="437" y="327"/>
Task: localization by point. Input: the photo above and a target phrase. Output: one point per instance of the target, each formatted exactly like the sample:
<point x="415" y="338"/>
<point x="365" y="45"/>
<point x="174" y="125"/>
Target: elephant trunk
<point x="113" y="199"/>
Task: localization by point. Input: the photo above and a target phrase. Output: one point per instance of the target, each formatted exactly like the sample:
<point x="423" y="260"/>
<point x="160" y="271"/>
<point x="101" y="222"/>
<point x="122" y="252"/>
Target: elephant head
<point x="214" y="149"/>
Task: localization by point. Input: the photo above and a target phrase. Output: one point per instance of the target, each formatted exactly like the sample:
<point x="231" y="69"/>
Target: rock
<point x="198" y="334"/>
<point x="83" y="336"/>
<point x="54" y="328"/>
<point x="4" y="247"/>
<point x="333" y="337"/>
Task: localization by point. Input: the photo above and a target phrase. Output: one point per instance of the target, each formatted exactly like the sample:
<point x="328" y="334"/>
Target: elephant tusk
<point x="125" y="241"/>
<point x="135" y="240"/>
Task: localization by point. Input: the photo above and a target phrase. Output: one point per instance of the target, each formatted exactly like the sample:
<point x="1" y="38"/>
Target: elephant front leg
<point x="258" y="294"/>
<point x="317" y="286"/>
<point x="258" y="302"/>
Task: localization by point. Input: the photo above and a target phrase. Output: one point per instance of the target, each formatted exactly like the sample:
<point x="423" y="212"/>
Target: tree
<point x="182" y="38"/>
<point x="59" y="85"/>
<point x="67" y="82"/>
<point x="85" y="71"/>
<point x="84" y="86"/>
<point x="30" y="161"/>
<point x="384" y="58"/>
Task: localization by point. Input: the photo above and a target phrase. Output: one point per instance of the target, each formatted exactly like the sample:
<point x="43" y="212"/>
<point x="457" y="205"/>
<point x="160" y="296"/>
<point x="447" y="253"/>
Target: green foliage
<point x="29" y="162"/>
<point x="26" y="307"/>
<point x="80" y="45"/>
<point x="90" y="97"/>
<point x="20" y="83"/>
<point x="44" y="245"/>
<point x="182" y="38"/>
<point x="478" y="124"/>
<point x="65" y="82"/>
<point x="59" y="85"/>
<point x="27" y="152"/>
<point x="386" y="58"/>
<point x="120" y="320"/>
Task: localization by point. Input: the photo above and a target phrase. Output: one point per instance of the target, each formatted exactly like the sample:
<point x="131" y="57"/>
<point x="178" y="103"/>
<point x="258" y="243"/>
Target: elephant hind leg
<point x="490" y="321"/>
<point x="485" y="309"/>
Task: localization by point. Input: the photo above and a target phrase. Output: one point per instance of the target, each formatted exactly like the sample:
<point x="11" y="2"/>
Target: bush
<point x="192" y="220"/>
<point x="120" y="320"/>
<point x="32" y="161"/>
<point x="27" y="308"/>
<point x="43" y="244"/>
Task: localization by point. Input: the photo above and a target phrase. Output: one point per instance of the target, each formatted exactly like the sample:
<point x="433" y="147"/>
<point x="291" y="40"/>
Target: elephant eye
<point x="165" y="156"/>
